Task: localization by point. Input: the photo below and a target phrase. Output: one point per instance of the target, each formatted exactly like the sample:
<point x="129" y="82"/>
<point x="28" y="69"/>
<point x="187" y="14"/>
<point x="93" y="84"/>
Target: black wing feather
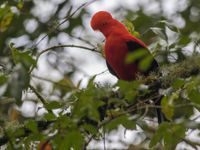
<point x="111" y="69"/>
<point x="134" y="46"/>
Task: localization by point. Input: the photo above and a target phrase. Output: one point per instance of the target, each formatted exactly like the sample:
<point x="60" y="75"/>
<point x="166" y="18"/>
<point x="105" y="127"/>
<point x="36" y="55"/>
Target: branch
<point x="40" y="97"/>
<point x="83" y="40"/>
<point x="53" y="82"/>
<point x="65" y="20"/>
<point x="130" y="110"/>
<point x="192" y="143"/>
<point x="42" y="125"/>
<point x="179" y="70"/>
<point x="63" y="46"/>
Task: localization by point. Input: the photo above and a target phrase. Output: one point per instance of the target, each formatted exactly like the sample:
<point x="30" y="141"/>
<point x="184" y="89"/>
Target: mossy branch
<point x="185" y="69"/>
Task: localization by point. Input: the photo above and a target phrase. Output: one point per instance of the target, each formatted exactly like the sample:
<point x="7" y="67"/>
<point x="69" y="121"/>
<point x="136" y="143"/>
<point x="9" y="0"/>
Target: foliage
<point x="73" y="116"/>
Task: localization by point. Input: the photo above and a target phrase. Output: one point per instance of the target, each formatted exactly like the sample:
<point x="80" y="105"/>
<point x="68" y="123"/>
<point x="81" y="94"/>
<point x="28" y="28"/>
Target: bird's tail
<point x="161" y="117"/>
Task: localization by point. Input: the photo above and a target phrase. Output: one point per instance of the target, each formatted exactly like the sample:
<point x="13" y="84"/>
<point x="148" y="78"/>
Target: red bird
<point x="119" y="43"/>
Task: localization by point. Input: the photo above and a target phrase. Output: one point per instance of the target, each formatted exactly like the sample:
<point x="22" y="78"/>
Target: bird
<point x="119" y="43"/>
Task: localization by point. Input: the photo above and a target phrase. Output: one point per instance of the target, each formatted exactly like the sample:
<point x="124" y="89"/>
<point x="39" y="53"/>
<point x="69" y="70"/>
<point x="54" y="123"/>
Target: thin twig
<point x="191" y="143"/>
<point x="104" y="139"/>
<point x="98" y="74"/>
<point x="124" y="113"/>
<point x="63" y="46"/>
<point x="45" y="79"/>
<point x="51" y="81"/>
<point x="83" y="40"/>
<point x="195" y="118"/>
<point x="65" y="20"/>
<point x="40" y="97"/>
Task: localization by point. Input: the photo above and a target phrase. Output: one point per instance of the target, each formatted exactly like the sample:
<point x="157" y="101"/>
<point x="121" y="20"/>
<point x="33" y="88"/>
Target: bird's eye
<point x="104" y="23"/>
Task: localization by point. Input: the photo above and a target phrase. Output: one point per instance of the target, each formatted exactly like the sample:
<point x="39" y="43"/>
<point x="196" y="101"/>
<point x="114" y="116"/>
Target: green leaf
<point x="129" y="89"/>
<point x="170" y="26"/>
<point x="184" y="40"/>
<point x="53" y="105"/>
<point x="146" y="63"/>
<point x="3" y="79"/>
<point x="6" y="17"/>
<point x="129" y="124"/>
<point x="72" y="140"/>
<point x="129" y="25"/>
<point x="37" y="136"/>
<point x="49" y="116"/>
<point x="17" y="133"/>
<point x="160" y="32"/>
<point x="183" y="112"/>
<point x="167" y="107"/>
<point x="173" y="136"/>
<point x="194" y="96"/>
<point x="168" y="141"/>
<point x="64" y="121"/>
<point x="122" y="120"/>
<point x="136" y="55"/>
<point x="157" y="137"/>
<point x="31" y="125"/>
<point x="20" y="4"/>
<point x="178" y="83"/>
<point x="22" y="57"/>
<point x="90" y="128"/>
<point x="141" y="56"/>
<point x="88" y="103"/>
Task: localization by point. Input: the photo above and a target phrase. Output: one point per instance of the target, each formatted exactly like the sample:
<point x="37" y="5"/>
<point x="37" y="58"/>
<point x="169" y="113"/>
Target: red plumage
<point x="119" y="42"/>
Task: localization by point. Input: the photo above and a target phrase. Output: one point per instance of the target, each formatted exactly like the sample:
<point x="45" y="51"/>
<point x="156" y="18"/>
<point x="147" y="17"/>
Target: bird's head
<point x="101" y="20"/>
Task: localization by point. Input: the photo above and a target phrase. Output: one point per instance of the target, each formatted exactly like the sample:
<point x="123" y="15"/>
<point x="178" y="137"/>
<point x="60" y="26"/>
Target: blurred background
<point x="170" y="28"/>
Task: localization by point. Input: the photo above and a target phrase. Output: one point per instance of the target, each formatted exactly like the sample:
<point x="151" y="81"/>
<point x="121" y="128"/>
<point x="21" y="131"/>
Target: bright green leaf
<point x="167" y="107"/>
<point x="6" y="17"/>
<point x="194" y="96"/>
<point x="3" y="79"/>
<point x="49" y="116"/>
<point x="173" y="136"/>
<point x="136" y="55"/>
<point x="91" y="129"/>
<point x="53" y="105"/>
<point x="122" y="120"/>
<point x="72" y="140"/>
<point x="129" y="89"/>
<point x="129" y="25"/>
<point x="159" y="134"/>
<point x="178" y="83"/>
<point x="31" y="125"/>
<point x="145" y="63"/>
<point x="22" y="57"/>
<point x="184" y="40"/>
<point x="20" y="4"/>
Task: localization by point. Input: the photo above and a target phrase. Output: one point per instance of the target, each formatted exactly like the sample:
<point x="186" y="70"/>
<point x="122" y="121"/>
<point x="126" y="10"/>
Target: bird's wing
<point x="135" y="46"/>
<point x="111" y="69"/>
